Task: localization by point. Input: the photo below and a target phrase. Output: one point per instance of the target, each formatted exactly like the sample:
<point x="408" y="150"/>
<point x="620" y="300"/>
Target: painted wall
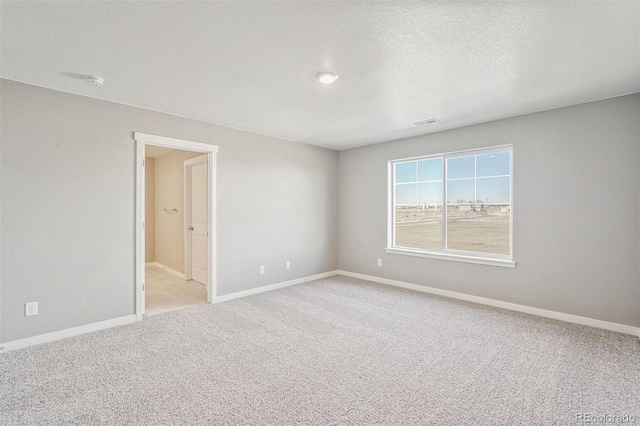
<point x="576" y="199"/>
<point x="67" y="220"/>
<point x="67" y="223"/>
<point x="150" y="212"/>
<point x="169" y="227"/>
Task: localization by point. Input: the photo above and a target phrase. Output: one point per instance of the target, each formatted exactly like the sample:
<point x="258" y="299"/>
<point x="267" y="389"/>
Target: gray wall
<point x="67" y="220"/>
<point x="576" y="192"/>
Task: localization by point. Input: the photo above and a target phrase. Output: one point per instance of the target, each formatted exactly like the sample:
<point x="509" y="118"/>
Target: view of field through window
<point x="478" y="192"/>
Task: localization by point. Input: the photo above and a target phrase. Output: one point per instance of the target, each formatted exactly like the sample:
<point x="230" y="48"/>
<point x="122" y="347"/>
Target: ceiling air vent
<point x="427" y="121"/>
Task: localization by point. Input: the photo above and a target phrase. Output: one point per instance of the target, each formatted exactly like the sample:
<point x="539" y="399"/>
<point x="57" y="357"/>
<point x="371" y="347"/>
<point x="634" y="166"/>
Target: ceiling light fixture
<point x="95" y="80"/>
<point x="327" y="77"/>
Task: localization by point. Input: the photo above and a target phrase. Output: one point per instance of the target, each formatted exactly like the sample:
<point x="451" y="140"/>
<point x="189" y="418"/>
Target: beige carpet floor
<point x="333" y="351"/>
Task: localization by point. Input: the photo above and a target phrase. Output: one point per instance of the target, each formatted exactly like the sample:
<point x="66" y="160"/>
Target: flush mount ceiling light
<point x="95" y="80"/>
<point x="327" y="77"/>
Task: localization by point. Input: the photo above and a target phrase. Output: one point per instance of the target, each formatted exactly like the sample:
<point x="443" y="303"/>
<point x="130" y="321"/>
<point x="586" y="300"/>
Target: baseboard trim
<point x="620" y="328"/>
<point x="166" y="268"/>
<point x="102" y="325"/>
<point x="63" y="334"/>
<point x="271" y="287"/>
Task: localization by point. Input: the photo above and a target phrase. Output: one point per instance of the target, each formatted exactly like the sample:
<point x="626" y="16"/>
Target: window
<point x="454" y="206"/>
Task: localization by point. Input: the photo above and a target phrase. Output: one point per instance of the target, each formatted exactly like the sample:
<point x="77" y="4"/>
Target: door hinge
<point x="142" y="286"/>
<point x="143" y="224"/>
<point x="143" y="162"/>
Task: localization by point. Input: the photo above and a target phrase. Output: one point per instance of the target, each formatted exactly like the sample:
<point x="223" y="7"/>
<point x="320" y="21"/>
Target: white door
<point x="197" y="199"/>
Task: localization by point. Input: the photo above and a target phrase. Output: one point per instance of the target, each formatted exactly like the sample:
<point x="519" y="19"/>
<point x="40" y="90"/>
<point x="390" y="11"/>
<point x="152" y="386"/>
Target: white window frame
<point x="448" y="254"/>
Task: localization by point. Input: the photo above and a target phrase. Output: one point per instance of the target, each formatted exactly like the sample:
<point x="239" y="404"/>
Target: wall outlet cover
<point x="30" y="309"/>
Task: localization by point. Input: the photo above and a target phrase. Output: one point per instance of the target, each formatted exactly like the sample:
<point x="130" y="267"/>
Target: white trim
<point x="166" y="268"/>
<point x="63" y="334"/>
<point x="212" y="281"/>
<point x="102" y="325"/>
<point x="211" y="151"/>
<point x="275" y="286"/>
<point x="459" y="153"/>
<point x="454" y="257"/>
<point x="140" y="232"/>
<point x="575" y="319"/>
<point x="446" y="253"/>
<point x="174" y="143"/>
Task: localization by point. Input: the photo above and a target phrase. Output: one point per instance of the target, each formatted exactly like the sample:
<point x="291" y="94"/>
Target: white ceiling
<point x="252" y="65"/>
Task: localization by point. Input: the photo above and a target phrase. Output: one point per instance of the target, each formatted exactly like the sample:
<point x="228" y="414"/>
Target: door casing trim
<point x="143" y="139"/>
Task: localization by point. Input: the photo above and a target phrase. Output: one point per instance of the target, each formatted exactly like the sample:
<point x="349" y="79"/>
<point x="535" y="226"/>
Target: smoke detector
<point x="427" y="121"/>
<point x="95" y="80"/>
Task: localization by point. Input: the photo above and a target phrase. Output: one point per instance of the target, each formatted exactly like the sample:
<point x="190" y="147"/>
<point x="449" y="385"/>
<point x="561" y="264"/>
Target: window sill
<point x="503" y="263"/>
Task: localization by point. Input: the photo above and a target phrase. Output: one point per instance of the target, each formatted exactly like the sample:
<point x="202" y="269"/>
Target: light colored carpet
<point x="333" y="351"/>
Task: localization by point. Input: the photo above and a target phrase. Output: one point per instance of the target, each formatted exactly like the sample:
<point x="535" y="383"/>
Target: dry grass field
<point x="486" y="232"/>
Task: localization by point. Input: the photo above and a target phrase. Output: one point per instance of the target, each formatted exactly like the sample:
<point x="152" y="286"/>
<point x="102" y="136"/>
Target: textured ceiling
<point x="252" y="65"/>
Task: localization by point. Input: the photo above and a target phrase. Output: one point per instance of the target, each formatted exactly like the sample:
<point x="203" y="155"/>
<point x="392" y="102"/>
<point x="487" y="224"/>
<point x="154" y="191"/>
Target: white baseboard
<point x="620" y="328"/>
<point x="166" y="268"/>
<point x="88" y="328"/>
<point x="271" y="287"/>
<point x="63" y="334"/>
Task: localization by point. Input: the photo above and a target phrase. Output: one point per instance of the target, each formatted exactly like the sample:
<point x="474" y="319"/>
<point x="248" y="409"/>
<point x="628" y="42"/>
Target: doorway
<point x="198" y="210"/>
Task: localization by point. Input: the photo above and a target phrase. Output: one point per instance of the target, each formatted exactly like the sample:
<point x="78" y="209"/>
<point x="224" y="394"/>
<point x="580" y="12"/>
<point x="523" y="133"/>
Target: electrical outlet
<point x="287" y="264"/>
<point x="379" y="262"/>
<point x="262" y="270"/>
<point x="30" y="309"/>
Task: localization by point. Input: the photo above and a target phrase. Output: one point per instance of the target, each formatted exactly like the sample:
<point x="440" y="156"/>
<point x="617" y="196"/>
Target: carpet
<point x="334" y="351"/>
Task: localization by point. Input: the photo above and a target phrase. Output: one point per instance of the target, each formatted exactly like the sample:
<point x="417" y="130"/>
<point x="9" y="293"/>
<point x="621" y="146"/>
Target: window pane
<point x="419" y="228"/>
<point x="461" y="191"/>
<point x="479" y="228"/>
<point x="430" y="193"/>
<point x="494" y="190"/>
<point x="478" y="203"/>
<point x="406" y="194"/>
<point x="406" y="172"/>
<point x="495" y="164"/>
<point x="430" y="169"/>
<point x="461" y="167"/>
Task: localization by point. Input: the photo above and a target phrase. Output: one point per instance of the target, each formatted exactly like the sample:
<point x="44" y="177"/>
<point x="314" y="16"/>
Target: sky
<point x="482" y="177"/>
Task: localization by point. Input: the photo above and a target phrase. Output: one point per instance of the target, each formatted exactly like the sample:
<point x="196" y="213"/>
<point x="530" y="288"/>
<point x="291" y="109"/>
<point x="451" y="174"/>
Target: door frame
<point x="143" y="139"/>
<point x="188" y="165"/>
